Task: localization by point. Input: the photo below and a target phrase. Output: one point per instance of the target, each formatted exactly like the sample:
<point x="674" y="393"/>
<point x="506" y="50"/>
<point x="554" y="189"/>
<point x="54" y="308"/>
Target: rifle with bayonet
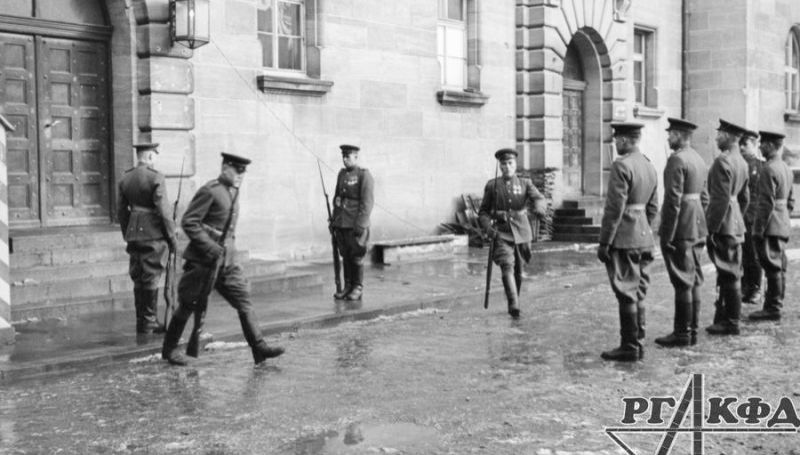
<point x="170" y="285"/>
<point x="335" y="249"/>
<point x="193" y="346"/>
<point x="492" y="240"/>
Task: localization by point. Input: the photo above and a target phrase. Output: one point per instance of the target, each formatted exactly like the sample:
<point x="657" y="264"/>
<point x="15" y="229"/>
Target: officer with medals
<point x="214" y="206"/>
<point x="772" y="225"/>
<point x="146" y="221"/>
<point x="626" y="238"/>
<point x="729" y="196"/>
<point x="505" y="201"/>
<point x="352" y="207"/>
<point x="751" y="267"/>
<point x="683" y="230"/>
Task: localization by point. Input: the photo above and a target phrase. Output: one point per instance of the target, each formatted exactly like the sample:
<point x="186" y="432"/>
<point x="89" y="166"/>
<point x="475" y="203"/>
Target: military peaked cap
<point x="680" y="124"/>
<point x="348" y="149"/>
<point x="771" y="136"/>
<point x="143" y="147"/>
<point x="238" y="162"/>
<point x="751" y="133"/>
<point x="731" y="128"/>
<point x="504" y="153"/>
<point x="627" y="128"/>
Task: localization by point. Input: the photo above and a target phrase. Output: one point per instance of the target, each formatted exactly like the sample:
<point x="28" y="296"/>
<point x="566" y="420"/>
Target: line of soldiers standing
<point x="738" y="209"/>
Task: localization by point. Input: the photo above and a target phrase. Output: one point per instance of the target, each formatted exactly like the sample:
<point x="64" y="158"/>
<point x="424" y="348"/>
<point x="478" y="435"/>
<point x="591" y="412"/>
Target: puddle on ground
<point x="397" y="438"/>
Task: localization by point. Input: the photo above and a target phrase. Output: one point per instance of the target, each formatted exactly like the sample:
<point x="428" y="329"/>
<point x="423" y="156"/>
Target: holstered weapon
<point x="170" y="285"/>
<point x="492" y="240"/>
<point x="193" y="346"/>
<point x="336" y="265"/>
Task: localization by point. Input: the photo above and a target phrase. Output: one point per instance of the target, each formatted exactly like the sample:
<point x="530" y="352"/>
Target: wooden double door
<point x="54" y="91"/>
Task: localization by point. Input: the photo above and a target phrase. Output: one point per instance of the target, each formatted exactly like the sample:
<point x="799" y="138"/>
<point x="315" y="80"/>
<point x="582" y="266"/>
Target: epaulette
<point x="646" y="157"/>
<point x="130" y="169"/>
<point x="213" y="183"/>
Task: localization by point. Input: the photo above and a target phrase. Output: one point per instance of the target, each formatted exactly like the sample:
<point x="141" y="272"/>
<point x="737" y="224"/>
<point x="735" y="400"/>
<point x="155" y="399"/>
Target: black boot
<point x="510" y="286"/>
<point x="137" y="303"/>
<point x="695" y="315"/>
<point x="731" y="296"/>
<point x="683" y="315"/>
<point x="773" y="301"/>
<point x="640" y="314"/>
<point x="630" y="349"/>
<point x="358" y="278"/>
<point x="149" y="308"/>
<point x="169" y="350"/>
<point x="252" y="334"/>
<point x="348" y="281"/>
<point x="719" y="308"/>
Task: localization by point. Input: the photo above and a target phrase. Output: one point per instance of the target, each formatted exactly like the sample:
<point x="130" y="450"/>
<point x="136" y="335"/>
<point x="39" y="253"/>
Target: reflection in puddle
<point x="400" y="438"/>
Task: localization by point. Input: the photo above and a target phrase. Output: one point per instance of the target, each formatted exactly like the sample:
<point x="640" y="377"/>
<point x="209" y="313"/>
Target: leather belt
<point x="781" y="202"/>
<point x="634" y="208"/>
<point x="139" y="208"/>
<point x="212" y="231"/>
<point x="690" y="197"/>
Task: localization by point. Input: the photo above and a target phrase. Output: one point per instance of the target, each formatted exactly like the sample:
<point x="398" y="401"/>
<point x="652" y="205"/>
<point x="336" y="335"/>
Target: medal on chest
<point x="351" y="180"/>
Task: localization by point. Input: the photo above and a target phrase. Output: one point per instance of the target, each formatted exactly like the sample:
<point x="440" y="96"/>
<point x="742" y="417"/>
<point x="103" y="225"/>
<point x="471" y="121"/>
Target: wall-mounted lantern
<point x="190" y="23"/>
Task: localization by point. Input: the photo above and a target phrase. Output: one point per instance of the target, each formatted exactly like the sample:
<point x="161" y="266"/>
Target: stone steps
<point x="572" y="223"/>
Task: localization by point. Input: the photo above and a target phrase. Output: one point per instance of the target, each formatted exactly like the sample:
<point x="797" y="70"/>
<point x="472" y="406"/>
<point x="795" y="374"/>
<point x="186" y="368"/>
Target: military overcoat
<point x="685" y="196"/>
<point x="508" y="200"/>
<point x="142" y="207"/>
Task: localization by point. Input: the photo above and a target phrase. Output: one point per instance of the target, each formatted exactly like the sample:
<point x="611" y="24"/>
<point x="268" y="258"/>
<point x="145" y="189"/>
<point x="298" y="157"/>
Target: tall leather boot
<point x="730" y="294"/>
<point x="695" y="315"/>
<point x="137" y="303"/>
<point x="630" y="349"/>
<point x="773" y="301"/>
<point x="719" y="307"/>
<point x="149" y="307"/>
<point x="169" y="349"/>
<point x="357" y="275"/>
<point x="683" y="315"/>
<point x="348" y="280"/>
<point x="510" y="286"/>
<point x="261" y="351"/>
<point x="640" y="314"/>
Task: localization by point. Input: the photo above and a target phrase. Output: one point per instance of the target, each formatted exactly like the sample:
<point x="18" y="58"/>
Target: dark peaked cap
<point x="502" y="153"/>
<point x="751" y="133"/>
<point x="732" y="128"/>
<point x="347" y="149"/>
<point x="680" y="124"/>
<point x="145" y="146"/>
<point x="771" y="136"/>
<point x="239" y="162"/>
<point x="627" y="128"/>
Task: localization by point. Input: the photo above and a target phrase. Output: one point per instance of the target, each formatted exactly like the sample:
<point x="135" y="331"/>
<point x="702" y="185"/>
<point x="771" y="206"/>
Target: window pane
<point x="638" y="37"/>
<point x="795" y="91"/>
<point x="454" y="42"/>
<point x="454" y="72"/>
<point x="265" y="19"/>
<point x="289" y="23"/>
<point x="637" y="71"/>
<point x="455" y="10"/>
<point x="637" y="87"/>
<point x="290" y="53"/>
<point x="266" y="49"/>
<point x="795" y="54"/>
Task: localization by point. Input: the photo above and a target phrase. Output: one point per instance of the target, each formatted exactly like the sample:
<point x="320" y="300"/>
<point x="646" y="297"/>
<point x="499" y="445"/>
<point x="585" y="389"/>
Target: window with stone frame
<point x="452" y="43"/>
<point x="281" y="31"/>
<point x="644" y="67"/>
<point x="792" y="70"/>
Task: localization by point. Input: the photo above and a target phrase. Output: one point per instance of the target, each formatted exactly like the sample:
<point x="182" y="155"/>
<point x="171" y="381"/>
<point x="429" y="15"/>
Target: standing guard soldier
<point x="214" y="206"/>
<point x="729" y="196"/>
<point x="352" y="206"/>
<point x="772" y="224"/>
<point x="626" y="238"/>
<point x="147" y="226"/>
<point x="683" y="230"/>
<point x="752" y="271"/>
<point x="505" y="201"/>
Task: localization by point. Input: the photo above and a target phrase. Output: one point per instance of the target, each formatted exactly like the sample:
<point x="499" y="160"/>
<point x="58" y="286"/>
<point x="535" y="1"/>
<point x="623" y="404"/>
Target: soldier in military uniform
<point x="352" y="206"/>
<point x="772" y="225"/>
<point x="146" y="222"/>
<point x="753" y="273"/>
<point x="683" y="230"/>
<point x="214" y="206"/>
<point x="626" y="238"/>
<point x="729" y="196"/>
<point x="504" y="215"/>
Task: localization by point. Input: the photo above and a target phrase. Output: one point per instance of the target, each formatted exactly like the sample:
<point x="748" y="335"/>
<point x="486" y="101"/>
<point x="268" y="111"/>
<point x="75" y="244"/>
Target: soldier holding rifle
<point x="210" y="261"/>
<point x="504" y="215"/>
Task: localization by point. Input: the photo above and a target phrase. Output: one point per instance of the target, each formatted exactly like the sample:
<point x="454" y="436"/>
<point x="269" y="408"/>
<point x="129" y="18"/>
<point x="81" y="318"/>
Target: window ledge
<point x="305" y="86"/>
<point x="791" y="116"/>
<point x="648" y="112"/>
<point x="461" y="98"/>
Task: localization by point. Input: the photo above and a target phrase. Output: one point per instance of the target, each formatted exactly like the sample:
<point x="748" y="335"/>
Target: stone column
<point x="6" y="329"/>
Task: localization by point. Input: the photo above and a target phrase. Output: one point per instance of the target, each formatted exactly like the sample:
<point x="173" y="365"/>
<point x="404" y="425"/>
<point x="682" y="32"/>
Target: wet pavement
<point x="454" y="379"/>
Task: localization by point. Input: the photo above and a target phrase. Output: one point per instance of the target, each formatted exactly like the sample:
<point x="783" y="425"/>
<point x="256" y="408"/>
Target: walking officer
<point x="772" y="224"/>
<point x="626" y="238"/>
<point x="352" y="206"/>
<point x="752" y="272"/>
<point x="147" y="226"/>
<point x="729" y="196"/>
<point x="683" y="230"/>
<point x="214" y="210"/>
<point x="505" y="202"/>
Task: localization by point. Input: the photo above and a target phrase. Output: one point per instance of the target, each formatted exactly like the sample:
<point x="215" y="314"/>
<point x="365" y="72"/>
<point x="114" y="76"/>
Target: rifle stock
<point x="492" y="241"/>
<point x="336" y="265"/>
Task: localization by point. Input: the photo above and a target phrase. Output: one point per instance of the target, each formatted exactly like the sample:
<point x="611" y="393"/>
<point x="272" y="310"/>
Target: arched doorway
<point x="54" y="89"/>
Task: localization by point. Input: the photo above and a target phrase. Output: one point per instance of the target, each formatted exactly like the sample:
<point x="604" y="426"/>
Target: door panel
<point x="573" y="142"/>
<point x="73" y="98"/>
<point x="18" y="98"/>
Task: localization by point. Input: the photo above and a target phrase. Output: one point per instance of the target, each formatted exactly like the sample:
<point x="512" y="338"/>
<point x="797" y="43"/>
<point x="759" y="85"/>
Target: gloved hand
<point x="358" y="231"/>
<point x="215" y="251"/>
<point x="491" y="232"/>
<point x="602" y="254"/>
